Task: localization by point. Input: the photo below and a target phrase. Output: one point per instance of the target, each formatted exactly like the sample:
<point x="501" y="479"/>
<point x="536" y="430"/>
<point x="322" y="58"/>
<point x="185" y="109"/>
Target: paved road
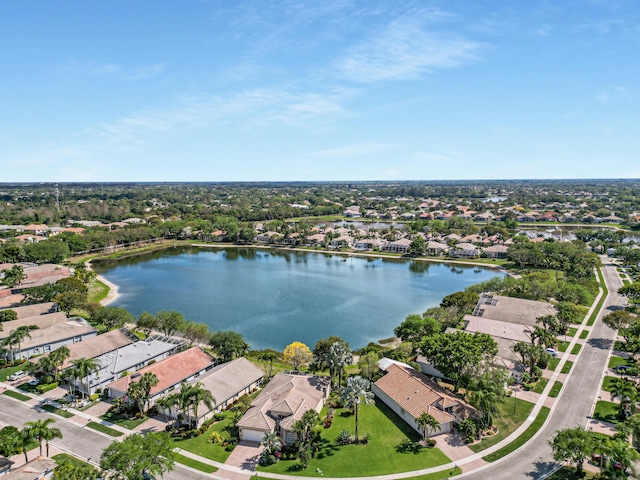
<point x="574" y="406"/>
<point x="79" y="440"/>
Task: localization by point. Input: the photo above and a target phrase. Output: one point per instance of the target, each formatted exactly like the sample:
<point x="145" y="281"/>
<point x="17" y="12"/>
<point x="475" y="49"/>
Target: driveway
<point x="246" y="455"/>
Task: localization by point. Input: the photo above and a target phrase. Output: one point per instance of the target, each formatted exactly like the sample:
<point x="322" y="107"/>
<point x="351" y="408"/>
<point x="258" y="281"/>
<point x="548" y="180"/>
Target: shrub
<point x="217" y="417"/>
<point x="94" y="397"/>
<point x="431" y="443"/>
<point x="46" y="379"/>
<point x="47" y="387"/>
<point x="215" y="437"/>
<point x="344" y="438"/>
<point x="364" y="439"/>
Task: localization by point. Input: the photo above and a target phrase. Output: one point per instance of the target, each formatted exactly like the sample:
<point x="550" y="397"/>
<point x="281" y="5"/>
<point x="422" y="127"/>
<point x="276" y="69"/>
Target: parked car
<point x="552" y="351"/>
<point x="34" y="382"/>
<point x="17" y="375"/>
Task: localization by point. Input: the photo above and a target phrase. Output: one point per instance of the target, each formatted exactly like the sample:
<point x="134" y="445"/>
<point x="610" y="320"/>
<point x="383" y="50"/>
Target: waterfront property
<point x="185" y="366"/>
<point x="410" y="393"/>
<point x="282" y="403"/>
<point x="53" y="331"/>
<point x="128" y="358"/>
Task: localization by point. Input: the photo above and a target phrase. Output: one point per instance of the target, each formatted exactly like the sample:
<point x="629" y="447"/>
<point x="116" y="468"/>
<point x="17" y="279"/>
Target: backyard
<point x="392" y="447"/>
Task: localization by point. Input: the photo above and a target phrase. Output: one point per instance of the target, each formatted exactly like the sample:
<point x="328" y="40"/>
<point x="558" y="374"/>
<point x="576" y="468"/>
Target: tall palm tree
<point x="40" y="431"/>
<point x="354" y="393"/>
<point x="197" y="394"/>
<point x="428" y="424"/>
<point x="85" y="367"/>
<point x="627" y="392"/>
<point x="268" y="356"/>
<point x="338" y="358"/>
<point x="487" y="402"/>
<point x="24" y="440"/>
<point x="57" y="358"/>
<point x="16" y="337"/>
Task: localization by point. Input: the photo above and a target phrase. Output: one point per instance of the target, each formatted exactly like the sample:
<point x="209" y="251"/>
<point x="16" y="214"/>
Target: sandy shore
<point x="113" y="294"/>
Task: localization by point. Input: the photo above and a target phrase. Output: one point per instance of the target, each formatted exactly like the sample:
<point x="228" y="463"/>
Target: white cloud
<point x="405" y="50"/>
<point x="613" y="94"/>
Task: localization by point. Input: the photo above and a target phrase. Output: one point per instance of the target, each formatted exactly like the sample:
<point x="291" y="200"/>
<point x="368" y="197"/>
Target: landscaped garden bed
<point x="507" y="420"/>
<point x="392" y="447"/>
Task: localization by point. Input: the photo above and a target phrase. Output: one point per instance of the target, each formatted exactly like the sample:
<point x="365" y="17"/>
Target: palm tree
<point x="24" y="440"/>
<point x="487" y="402"/>
<point x="355" y="392"/>
<point x="16" y="337"/>
<point x="166" y="404"/>
<point x="40" y="431"/>
<point x="268" y="356"/>
<point x="271" y="442"/>
<point x="338" y="358"/>
<point x="196" y="394"/>
<point x="428" y="424"/>
<point x="627" y="392"/>
<point x="84" y="368"/>
<point x="57" y="358"/>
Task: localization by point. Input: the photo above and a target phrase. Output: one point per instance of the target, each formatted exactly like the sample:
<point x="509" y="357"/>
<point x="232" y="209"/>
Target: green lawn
<point x="5" y="373"/>
<point x="540" y="384"/>
<point x="200" y="445"/>
<point x="506" y="421"/>
<point x="123" y="420"/>
<point x="562" y="346"/>
<point x="584" y="334"/>
<point x="605" y="292"/>
<point x="566" y="368"/>
<point x="16" y="395"/>
<point x="446" y="474"/>
<point x="555" y="390"/>
<point x="104" y="429"/>
<point x="98" y="291"/>
<point x="522" y="439"/>
<point x="606" y="383"/>
<point x="607" y="411"/>
<point x="616" y="361"/>
<point x="57" y="411"/>
<point x="392" y="448"/>
<point x="64" y="457"/>
<point x="570" y="473"/>
<point x="190" y="462"/>
<point x="572" y="332"/>
<point x="553" y="363"/>
<point x="576" y="349"/>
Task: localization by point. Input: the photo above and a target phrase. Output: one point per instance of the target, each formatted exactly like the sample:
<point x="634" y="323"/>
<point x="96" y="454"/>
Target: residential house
<point x="114" y="363"/>
<point x="399" y="246"/>
<point x="434" y="249"/>
<point x="171" y="372"/>
<point x="369" y="244"/>
<point x="465" y="250"/>
<point x="53" y="331"/>
<point x="496" y="251"/>
<point x="227" y="383"/>
<point x="282" y="403"/>
<point x="37" y="469"/>
<point x="410" y="393"/>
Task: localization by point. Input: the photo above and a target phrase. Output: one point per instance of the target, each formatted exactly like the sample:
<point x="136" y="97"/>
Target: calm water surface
<point x="274" y="297"/>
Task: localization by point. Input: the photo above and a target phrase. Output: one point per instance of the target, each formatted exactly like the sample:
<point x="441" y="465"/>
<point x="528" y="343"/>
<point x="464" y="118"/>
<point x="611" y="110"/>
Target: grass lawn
<point x="540" y="384"/>
<point x="123" y="420"/>
<point x="57" y="411"/>
<point x="553" y="363"/>
<point x="555" y="390"/>
<point x="64" y="457"/>
<point x="576" y="349"/>
<point x="607" y="411"/>
<point x="98" y="291"/>
<point x="606" y="383"/>
<point x="104" y="429"/>
<point x="584" y="334"/>
<point x="605" y="292"/>
<point x="439" y="475"/>
<point x="5" y="373"/>
<point x="200" y="445"/>
<point x="572" y="332"/>
<point x="393" y="447"/>
<point x="566" y="368"/>
<point x="522" y="439"/>
<point x="562" y="346"/>
<point x="190" y="462"/>
<point x="16" y="395"/>
<point x="616" y="361"/>
<point x="506" y="421"/>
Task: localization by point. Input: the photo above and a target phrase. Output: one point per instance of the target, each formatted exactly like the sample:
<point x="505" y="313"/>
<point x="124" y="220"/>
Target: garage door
<point x="251" y="435"/>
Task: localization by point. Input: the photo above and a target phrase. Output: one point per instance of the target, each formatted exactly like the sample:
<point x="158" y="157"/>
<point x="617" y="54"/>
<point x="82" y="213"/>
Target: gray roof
<point x="512" y="310"/>
<point x="228" y="379"/>
<point x="32" y="470"/>
<point x="34" y="310"/>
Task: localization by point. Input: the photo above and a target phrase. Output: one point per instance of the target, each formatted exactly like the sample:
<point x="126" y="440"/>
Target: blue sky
<point x="230" y="90"/>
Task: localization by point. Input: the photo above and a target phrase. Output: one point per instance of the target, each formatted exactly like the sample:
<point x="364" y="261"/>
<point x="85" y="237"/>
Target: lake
<point x="274" y="297"/>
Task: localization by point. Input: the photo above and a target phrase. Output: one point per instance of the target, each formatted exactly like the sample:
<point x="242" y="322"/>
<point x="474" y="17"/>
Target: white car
<point x="552" y="351"/>
<point x="17" y="375"/>
<point x="34" y="382"/>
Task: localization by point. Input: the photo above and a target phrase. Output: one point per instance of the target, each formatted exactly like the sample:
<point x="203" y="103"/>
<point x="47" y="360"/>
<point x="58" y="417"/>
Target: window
<point x="47" y="348"/>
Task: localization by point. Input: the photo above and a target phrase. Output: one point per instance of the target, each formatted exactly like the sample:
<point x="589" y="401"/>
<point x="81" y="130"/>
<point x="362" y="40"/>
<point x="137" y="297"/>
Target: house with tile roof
<point x="410" y="393"/>
<point x="281" y="404"/>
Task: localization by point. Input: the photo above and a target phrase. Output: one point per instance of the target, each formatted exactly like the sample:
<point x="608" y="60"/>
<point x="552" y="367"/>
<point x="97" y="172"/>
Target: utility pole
<point x="57" y="197"/>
